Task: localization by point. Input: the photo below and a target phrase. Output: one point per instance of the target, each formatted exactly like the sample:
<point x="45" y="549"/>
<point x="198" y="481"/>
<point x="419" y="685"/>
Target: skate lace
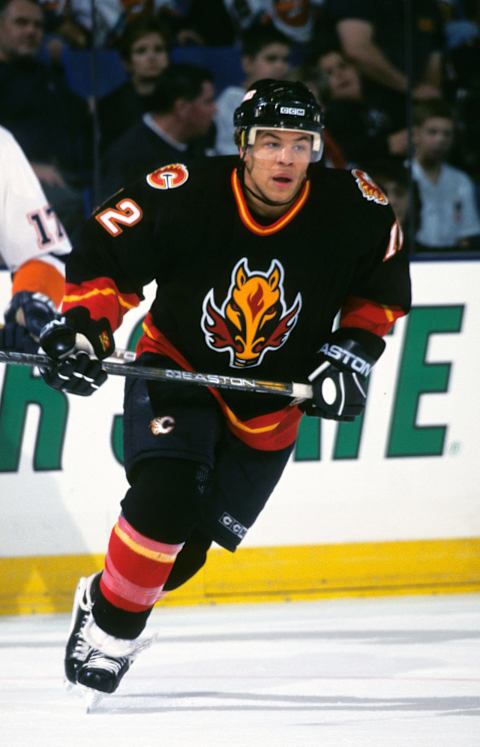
<point x="98" y="660"/>
<point x="86" y="602"/>
<point x="81" y="648"/>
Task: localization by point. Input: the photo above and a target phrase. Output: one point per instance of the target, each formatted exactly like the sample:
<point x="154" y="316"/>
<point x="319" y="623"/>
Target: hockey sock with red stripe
<point x="136" y="569"/>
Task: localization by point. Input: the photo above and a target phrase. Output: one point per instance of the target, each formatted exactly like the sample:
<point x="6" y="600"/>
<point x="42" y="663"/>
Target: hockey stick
<point x="287" y="389"/>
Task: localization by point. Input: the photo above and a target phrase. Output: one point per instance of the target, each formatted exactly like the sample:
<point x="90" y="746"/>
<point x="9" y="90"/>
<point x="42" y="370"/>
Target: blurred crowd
<point x="99" y="93"/>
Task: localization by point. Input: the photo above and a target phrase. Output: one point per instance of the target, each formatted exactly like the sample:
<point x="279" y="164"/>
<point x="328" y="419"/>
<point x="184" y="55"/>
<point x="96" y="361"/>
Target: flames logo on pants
<point x="253" y="318"/>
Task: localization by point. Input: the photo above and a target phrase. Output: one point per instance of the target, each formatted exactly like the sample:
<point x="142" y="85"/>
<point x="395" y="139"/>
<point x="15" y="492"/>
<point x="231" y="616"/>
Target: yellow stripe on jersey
<point x="241" y="426"/>
<point x="389" y="313"/>
<point x="97" y="292"/>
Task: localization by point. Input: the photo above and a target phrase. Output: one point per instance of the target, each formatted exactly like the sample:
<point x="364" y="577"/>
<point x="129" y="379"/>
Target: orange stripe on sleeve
<point x="374" y="317"/>
<point x="102" y="298"/>
<point x="39" y="277"/>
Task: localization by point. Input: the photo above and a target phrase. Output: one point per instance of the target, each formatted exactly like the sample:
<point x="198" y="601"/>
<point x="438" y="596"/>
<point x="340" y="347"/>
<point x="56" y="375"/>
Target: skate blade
<point x="68" y="686"/>
<point x="91" y="698"/>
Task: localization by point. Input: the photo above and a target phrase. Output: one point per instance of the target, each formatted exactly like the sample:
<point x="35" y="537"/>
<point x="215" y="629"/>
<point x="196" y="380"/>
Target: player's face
<point x="433" y="139"/>
<point x="276" y="164"/>
<point x="21" y="30"/>
<point x="148" y="56"/>
<point x="271" y="62"/>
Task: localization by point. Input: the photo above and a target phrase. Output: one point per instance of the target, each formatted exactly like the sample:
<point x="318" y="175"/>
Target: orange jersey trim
<point x="102" y="298"/>
<point x="39" y="277"/>
<point x="374" y="317"/>
<point x="270" y="432"/>
<point x="251" y="223"/>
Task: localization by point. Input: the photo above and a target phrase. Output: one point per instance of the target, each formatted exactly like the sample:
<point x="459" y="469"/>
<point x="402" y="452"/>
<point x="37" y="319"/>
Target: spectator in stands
<point x="449" y="216"/>
<point x="144" y="51"/>
<point x="296" y="20"/>
<point x="182" y="111"/>
<point x="265" y="54"/>
<point x="462" y="31"/>
<point x="373" y="35"/>
<point x="333" y="155"/>
<point x="393" y="177"/>
<point x="461" y="23"/>
<point x="48" y="120"/>
<point x="184" y="21"/>
<point x="110" y="20"/>
<point x="191" y="22"/>
<point x="60" y="30"/>
<point x="359" y="123"/>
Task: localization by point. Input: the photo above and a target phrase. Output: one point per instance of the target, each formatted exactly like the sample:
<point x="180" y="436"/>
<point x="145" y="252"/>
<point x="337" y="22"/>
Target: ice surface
<point x="385" y="672"/>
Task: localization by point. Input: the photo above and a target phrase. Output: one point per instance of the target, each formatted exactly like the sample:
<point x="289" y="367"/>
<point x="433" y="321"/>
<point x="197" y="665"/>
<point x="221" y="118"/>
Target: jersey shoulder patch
<point x="370" y="191"/>
<point x="168" y="177"/>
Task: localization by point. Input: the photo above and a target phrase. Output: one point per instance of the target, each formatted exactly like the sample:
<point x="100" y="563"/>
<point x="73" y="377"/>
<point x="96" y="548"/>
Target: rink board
<point x="46" y="584"/>
<point x="386" y="504"/>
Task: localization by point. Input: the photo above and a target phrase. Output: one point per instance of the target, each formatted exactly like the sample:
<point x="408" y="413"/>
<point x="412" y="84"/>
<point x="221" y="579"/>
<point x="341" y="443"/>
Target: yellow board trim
<point x="45" y="584"/>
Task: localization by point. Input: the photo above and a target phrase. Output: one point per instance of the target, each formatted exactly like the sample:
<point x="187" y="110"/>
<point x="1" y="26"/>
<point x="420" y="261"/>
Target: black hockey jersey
<point x="235" y="294"/>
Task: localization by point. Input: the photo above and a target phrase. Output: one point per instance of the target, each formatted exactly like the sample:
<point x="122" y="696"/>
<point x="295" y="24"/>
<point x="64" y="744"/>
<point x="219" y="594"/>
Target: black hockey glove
<point x="77" y="344"/>
<point x="25" y="317"/>
<point x="340" y="379"/>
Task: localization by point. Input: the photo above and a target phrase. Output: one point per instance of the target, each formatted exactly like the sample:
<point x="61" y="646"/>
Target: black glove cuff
<point x="57" y="338"/>
<point x="372" y="344"/>
<point x="351" y="349"/>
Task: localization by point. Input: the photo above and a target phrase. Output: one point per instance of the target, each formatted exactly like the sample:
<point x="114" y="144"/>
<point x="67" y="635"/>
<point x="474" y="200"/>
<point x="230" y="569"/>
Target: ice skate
<point x="103" y="673"/>
<point x="77" y="649"/>
<point x="107" y="661"/>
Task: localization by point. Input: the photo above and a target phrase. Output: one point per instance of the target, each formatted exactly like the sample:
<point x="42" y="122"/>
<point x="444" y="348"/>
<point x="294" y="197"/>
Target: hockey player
<point x="253" y="258"/>
<point x="32" y="245"/>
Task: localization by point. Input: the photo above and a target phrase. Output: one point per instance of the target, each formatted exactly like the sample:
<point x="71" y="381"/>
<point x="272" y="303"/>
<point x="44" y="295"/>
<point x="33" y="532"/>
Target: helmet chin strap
<point x="262" y="198"/>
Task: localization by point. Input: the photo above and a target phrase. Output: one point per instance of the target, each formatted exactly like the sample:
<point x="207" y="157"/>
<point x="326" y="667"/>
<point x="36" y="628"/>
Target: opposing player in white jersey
<point x="32" y="246"/>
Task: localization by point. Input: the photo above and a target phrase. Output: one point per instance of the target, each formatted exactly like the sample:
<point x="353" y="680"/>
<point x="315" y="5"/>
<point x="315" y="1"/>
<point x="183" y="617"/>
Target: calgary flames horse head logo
<point x="253" y="318"/>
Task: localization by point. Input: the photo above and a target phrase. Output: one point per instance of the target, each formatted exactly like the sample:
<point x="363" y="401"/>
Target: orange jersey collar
<point x="252" y="224"/>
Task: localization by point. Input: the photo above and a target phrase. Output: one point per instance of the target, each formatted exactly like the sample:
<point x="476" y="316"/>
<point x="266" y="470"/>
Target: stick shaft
<point x="152" y="373"/>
